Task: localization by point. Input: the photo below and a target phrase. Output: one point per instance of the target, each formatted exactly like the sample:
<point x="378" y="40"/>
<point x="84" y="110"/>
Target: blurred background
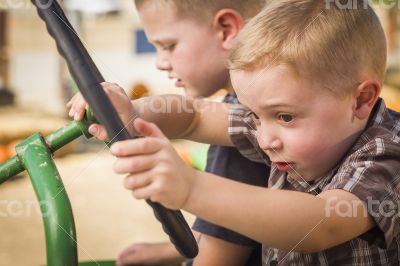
<point x="34" y="88"/>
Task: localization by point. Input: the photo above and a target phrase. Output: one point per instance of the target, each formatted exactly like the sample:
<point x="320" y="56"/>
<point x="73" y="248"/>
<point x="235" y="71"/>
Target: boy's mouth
<point x="179" y="83"/>
<point x="284" y="166"/>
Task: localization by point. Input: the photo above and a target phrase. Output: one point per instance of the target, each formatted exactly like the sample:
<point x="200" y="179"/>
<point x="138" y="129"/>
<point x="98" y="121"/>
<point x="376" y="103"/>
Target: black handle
<point x="88" y="78"/>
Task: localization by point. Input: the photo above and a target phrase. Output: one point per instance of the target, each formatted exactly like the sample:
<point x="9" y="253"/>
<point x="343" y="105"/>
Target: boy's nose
<point x="268" y="142"/>
<point x="163" y="64"/>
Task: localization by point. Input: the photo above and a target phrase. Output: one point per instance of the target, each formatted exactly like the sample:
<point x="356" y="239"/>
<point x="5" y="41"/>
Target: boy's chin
<point x="198" y="93"/>
<point x="191" y="92"/>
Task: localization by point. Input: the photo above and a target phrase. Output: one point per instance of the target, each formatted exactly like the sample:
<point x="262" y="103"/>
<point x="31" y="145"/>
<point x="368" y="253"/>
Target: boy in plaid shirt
<point x="309" y="74"/>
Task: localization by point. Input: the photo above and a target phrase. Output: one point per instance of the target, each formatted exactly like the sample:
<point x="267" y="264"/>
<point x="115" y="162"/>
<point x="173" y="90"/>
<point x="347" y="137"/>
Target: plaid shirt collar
<point x="278" y="180"/>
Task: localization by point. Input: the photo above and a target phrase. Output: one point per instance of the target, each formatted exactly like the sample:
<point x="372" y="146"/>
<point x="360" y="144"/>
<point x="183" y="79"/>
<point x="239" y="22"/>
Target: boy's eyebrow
<point x="275" y="105"/>
<point x="161" y="41"/>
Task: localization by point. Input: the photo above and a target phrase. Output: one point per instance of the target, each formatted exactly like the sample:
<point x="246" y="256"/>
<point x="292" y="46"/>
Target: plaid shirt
<point x="370" y="171"/>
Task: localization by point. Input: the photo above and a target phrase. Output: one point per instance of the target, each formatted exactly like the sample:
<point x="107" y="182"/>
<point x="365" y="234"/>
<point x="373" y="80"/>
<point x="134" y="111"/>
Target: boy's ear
<point x="228" y="23"/>
<point x="366" y="95"/>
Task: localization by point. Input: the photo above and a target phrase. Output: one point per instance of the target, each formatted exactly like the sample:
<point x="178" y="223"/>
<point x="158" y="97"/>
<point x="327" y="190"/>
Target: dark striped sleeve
<point x="372" y="173"/>
<point x="243" y="133"/>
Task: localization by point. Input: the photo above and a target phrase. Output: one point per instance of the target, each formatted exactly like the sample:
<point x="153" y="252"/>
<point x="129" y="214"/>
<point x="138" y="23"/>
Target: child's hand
<point x="121" y="102"/>
<point x="149" y="254"/>
<point x="77" y="106"/>
<point x="155" y="171"/>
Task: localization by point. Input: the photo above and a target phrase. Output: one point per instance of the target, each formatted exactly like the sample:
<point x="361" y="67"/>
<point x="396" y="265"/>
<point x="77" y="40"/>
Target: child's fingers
<point x="80" y="107"/>
<point x="145" y="254"/>
<point x="99" y="132"/>
<point x="111" y="88"/>
<point x="79" y="114"/>
<point x="146" y="192"/>
<point x="147" y="129"/>
<point x="70" y="106"/>
<point x="71" y="112"/>
<point x="154" y="192"/>
<point x="135" y="147"/>
<point x="77" y="107"/>
<point x="70" y="102"/>
<point x="137" y="181"/>
<point x="133" y="165"/>
<point x="127" y="257"/>
<point x="132" y="255"/>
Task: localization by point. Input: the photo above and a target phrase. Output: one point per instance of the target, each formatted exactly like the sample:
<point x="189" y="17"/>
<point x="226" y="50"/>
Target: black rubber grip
<point x="88" y="78"/>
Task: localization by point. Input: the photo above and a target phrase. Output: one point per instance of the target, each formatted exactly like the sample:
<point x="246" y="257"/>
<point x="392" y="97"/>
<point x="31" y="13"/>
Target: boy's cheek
<point x="303" y="151"/>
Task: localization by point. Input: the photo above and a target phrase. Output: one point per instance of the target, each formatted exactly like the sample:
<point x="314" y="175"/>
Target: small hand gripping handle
<point x="88" y="78"/>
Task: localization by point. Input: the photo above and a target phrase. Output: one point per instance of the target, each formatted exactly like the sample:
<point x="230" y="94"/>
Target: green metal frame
<point x="34" y="155"/>
<point x="54" y="142"/>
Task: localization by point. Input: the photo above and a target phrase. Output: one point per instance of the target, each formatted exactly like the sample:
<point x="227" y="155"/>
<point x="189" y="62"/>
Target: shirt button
<point x="273" y="263"/>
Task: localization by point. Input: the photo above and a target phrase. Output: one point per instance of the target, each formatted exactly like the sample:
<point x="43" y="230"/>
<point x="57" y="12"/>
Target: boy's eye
<point x="285" y="118"/>
<point x="168" y="47"/>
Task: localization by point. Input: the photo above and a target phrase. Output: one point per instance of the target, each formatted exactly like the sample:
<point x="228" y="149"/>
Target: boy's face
<point x="304" y="129"/>
<point x="188" y="50"/>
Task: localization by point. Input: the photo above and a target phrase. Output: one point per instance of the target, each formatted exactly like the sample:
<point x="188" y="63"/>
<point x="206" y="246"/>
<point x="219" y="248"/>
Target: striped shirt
<point x="370" y="171"/>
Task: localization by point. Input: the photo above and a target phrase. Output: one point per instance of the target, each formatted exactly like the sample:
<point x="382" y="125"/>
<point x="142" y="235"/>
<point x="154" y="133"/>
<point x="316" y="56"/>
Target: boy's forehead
<point x="248" y="86"/>
<point x="168" y="11"/>
<point x="153" y="8"/>
<point x="158" y="28"/>
<point x="156" y="5"/>
<point x="249" y="80"/>
<point x="157" y="12"/>
<point x="163" y="21"/>
<point x="270" y="87"/>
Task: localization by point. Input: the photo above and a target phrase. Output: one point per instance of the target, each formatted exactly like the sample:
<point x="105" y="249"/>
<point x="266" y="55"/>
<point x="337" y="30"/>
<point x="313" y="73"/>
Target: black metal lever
<point x="88" y="78"/>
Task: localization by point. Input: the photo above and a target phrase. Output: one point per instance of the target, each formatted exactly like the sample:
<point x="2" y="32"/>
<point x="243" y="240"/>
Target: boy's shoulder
<point x="374" y="158"/>
<point x="379" y="141"/>
<point x="382" y="134"/>
<point x="371" y="171"/>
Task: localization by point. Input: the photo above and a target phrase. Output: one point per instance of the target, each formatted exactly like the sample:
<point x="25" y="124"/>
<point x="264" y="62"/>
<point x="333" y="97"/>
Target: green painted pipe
<point x="61" y="246"/>
<point x="54" y="141"/>
<point x="10" y="168"/>
<point x="65" y="135"/>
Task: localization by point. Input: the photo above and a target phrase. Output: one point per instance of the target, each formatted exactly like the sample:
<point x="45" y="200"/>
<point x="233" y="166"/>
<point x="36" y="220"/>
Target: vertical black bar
<point x="88" y="79"/>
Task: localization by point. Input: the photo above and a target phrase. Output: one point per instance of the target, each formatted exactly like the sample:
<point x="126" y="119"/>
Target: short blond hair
<point x="323" y="40"/>
<point x="205" y="9"/>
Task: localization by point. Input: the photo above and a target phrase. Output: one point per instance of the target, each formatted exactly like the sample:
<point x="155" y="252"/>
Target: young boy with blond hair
<point x="309" y="74"/>
<point x="193" y="39"/>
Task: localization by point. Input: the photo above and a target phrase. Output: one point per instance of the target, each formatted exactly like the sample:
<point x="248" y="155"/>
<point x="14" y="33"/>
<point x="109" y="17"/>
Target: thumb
<point x="147" y="129"/>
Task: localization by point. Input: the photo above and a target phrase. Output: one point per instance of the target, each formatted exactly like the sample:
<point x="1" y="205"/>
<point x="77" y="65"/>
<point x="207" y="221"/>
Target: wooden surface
<point x="18" y="123"/>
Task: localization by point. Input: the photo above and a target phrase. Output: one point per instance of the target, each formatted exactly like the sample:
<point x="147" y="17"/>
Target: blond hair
<point x="206" y="9"/>
<point x="325" y="40"/>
